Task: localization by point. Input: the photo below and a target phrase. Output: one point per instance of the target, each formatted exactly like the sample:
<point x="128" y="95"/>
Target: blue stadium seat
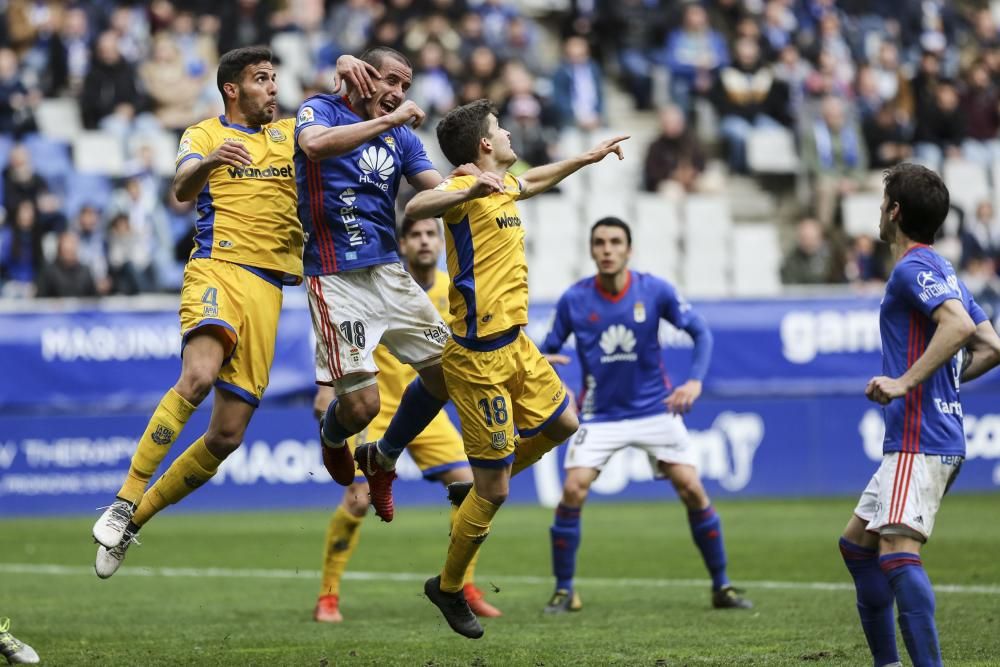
<point x="82" y="189"/>
<point x="51" y="160"/>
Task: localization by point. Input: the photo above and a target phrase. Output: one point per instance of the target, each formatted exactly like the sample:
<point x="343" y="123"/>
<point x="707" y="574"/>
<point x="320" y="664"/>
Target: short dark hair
<point x="922" y="197"/>
<point x="408" y="224"/>
<point x="460" y="131"/>
<point x="232" y="63"/>
<point x="376" y="55"/>
<point x="612" y="221"/>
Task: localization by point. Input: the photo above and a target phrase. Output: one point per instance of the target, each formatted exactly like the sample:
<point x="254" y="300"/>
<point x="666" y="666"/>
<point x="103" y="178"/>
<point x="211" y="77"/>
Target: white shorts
<point x="905" y="493"/>
<point x="353" y="311"/>
<point x="663" y="437"/>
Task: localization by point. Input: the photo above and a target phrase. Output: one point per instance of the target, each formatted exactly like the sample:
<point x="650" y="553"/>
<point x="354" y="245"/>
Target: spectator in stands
<point x="432" y="90"/>
<point x="675" y="160"/>
<point x="470" y="31"/>
<point x="530" y="119"/>
<point x="980" y="107"/>
<point x="350" y="24"/>
<point x="925" y="81"/>
<point x="579" y="94"/>
<point x="635" y="25"/>
<point x="433" y="28"/>
<point x="748" y="96"/>
<point x="17" y="102"/>
<point x="828" y="80"/>
<point x="834" y="155"/>
<point x="110" y="97"/>
<point x="66" y="276"/>
<point x="522" y="44"/>
<point x="197" y="48"/>
<point x="172" y="88"/>
<point x="243" y="23"/>
<point x="810" y="262"/>
<point x="778" y="27"/>
<point x="693" y="54"/>
<point x="892" y="85"/>
<point x="124" y="249"/>
<point x="132" y="28"/>
<point x="20" y="182"/>
<point x="484" y="68"/>
<point x="887" y="139"/>
<point x="940" y="128"/>
<point x="980" y="235"/>
<point x="795" y="72"/>
<point x="980" y="276"/>
<point x="866" y="261"/>
<point x="146" y="237"/>
<point x="92" y="246"/>
<point x="21" y="251"/>
<point x="69" y="54"/>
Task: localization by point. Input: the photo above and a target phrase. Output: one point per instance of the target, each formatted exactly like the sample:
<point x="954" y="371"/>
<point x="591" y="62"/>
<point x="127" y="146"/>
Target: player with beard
<point x="248" y="245"/>
<point x="351" y="153"/>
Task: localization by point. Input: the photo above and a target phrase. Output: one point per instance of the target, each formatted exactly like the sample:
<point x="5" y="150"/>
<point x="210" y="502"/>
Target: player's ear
<point x="231" y="90"/>
<point x="486" y="144"/>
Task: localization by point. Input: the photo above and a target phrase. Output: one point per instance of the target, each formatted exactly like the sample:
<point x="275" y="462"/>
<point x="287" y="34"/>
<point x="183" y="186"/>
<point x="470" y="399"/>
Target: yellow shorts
<point x="437" y="449"/>
<point x="244" y="306"/>
<point x="507" y="385"/>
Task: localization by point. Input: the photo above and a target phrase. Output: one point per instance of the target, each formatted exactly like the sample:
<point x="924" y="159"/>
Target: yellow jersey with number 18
<point x="486" y="262"/>
<point x="247" y="215"/>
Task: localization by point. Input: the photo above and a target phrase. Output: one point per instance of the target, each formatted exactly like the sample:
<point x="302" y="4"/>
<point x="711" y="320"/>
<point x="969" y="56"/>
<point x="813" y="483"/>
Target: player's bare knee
<point x="433" y="379"/>
<point x="494" y="496"/>
<point x="356" y="499"/>
<point x="322" y="401"/>
<point x="564" y="427"/>
<point x="222" y="442"/>
<point x="196" y="382"/>
<point x="575" y="494"/>
<point x="357" y="413"/>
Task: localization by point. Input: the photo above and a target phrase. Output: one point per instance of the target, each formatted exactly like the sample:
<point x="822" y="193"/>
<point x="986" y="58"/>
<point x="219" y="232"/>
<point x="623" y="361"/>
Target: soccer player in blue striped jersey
<point x="934" y="336"/>
<point x="627" y="401"/>
<point x="351" y="153"/>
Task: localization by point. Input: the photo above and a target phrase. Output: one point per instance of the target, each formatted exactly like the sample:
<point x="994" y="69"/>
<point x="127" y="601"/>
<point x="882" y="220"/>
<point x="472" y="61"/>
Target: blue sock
<point x="417" y="409"/>
<point x="874" y="601"/>
<point x="565" y="534"/>
<point x="915" y="601"/>
<point x="333" y="430"/>
<point x="706" y="529"/>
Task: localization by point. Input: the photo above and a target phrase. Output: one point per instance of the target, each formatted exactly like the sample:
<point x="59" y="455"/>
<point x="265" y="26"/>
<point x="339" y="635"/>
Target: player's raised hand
<point x="231" y="153"/>
<point x="681" y="399"/>
<point x="557" y="359"/>
<point x="883" y="390"/>
<point x="357" y="74"/>
<point x="607" y="147"/>
<point x="487" y="183"/>
<point x="408" y="112"/>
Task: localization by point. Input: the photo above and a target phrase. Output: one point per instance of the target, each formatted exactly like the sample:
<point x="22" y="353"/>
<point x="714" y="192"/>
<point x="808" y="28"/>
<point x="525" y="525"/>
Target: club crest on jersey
<point x="390" y="142"/>
<point x="185" y="146"/>
<point x="639" y="312"/>
<point x="499" y="440"/>
<point x="306" y="115"/>
<point x="276" y="134"/>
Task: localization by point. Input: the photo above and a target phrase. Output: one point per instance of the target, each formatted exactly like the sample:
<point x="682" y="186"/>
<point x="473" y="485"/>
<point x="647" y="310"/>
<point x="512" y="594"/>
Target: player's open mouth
<point x="387" y="107"/>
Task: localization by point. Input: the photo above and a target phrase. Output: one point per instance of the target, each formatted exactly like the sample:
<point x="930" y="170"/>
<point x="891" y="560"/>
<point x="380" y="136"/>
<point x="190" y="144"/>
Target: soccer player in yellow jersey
<point x="437" y="451"/>
<point x="512" y="405"/>
<point x="248" y="244"/>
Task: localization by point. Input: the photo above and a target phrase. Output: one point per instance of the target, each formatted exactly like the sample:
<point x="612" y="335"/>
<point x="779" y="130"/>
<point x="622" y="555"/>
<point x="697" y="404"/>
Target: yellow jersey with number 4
<point x="247" y="215"/>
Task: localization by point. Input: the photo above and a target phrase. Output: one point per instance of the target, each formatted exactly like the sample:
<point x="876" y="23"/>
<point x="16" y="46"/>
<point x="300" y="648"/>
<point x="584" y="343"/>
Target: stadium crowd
<point x="859" y="84"/>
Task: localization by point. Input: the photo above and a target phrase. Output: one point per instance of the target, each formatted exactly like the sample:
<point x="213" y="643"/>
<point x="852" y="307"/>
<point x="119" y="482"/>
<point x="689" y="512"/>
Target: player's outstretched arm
<point x="320" y="143"/>
<point x="434" y="203"/>
<point x="954" y="328"/>
<point x="538" y="180"/>
<point x="982" y="352"/>
<point x="192" y="175"/>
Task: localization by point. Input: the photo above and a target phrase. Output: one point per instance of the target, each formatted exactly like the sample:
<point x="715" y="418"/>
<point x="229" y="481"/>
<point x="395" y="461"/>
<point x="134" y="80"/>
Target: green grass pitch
<point x="645" y="592"/>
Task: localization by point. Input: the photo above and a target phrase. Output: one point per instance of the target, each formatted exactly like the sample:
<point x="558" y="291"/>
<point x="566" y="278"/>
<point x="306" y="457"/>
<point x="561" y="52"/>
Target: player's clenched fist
<point x="602" y="149"/>
<point x="487" y="183"/>
<point x="408" y="112"/>
<point x="884" y="389"/>
<point x="230" y="153"/>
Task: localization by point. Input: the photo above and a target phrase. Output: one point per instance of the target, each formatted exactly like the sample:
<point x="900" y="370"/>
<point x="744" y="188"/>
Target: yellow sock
<point x="164" y="426"/>
<point x="470" y="529"/>
<point x="342" y="537"/>
<point x="193" y="468"/>
<point x="530" y="450"/>
<point x="470" y="571"/>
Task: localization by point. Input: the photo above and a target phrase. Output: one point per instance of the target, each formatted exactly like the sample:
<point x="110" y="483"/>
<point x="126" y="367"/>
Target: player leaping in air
<point x="934" y="336"/>
<point x="351" y="152"/>
<point x="512" y="404"/>
<point x="615" y="317"/>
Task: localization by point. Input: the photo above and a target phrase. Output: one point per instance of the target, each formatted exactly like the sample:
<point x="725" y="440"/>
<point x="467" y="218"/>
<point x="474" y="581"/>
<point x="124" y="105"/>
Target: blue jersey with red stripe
<point x="929" y="419"/>
<point x="618" y="343"/>
<point x="347" y="204"/>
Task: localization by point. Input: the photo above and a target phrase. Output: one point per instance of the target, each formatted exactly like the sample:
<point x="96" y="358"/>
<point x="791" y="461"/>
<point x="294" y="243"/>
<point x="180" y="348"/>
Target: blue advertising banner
<point x="747" y="447"/>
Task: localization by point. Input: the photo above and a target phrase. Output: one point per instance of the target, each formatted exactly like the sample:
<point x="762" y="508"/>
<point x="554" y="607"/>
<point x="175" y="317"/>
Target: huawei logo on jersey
<point x="377" y="160"/>
<point x="618" y="337"/>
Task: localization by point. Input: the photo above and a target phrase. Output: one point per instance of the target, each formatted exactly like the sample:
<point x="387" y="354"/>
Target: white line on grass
<point x="231" y="573"/>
